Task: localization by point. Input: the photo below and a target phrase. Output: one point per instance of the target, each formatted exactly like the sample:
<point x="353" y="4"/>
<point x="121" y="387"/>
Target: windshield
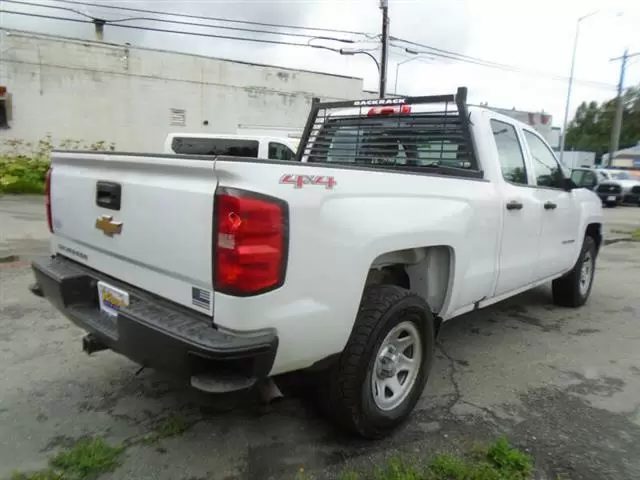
<point x="414" y="141"/>
<point x="621" y="176"/>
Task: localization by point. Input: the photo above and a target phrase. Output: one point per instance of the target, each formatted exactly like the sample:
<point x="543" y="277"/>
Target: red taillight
<point x="251" y="240"/>
<point x="398" y="109"/>
<point x="47" y="198"/>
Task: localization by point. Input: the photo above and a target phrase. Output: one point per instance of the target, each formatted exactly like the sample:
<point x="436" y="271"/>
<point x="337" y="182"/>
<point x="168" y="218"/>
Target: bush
<point x="22" y="174"/>
<point x="23" y="165"/>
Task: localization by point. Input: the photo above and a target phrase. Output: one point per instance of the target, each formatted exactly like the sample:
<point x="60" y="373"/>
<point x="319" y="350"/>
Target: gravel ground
<point x="563" y="384"/>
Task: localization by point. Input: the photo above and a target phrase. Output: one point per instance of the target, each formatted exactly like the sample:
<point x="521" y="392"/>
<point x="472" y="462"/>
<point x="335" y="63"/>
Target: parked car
<point x="618" y="189"/>
<point x="400" y="214"/>
<point x="241" y="145"/>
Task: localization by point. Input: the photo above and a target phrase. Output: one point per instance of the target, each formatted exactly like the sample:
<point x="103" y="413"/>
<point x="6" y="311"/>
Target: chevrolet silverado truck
<point x="398" y="215"/>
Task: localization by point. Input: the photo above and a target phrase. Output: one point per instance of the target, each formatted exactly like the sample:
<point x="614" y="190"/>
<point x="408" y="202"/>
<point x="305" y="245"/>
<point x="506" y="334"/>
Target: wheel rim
<point x="397" y="365"/>
<point x="586" y="273"/>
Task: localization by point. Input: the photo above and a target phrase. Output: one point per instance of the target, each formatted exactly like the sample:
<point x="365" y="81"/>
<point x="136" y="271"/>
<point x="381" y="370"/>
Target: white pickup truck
<point x="398" y="214"/>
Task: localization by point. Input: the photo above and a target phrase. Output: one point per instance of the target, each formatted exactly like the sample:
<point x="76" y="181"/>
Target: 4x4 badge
<point x="108" y="226"/>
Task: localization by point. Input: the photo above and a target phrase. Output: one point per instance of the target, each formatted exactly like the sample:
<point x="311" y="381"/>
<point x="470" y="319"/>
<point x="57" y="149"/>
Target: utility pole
<point x="617" y="119"/>
<point x="384" y="6"/>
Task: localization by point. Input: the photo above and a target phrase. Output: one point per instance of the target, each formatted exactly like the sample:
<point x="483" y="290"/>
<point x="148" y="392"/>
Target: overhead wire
<point x="179" y="32"/>
<point x="429" y="50"/>
<point x="217" y="19"/>
<point x="510" y="68"/>
<point x="178" y="22"/>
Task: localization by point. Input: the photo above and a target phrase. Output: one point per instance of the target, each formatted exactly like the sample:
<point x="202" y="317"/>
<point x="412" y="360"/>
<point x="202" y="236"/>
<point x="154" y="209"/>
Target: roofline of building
<point x="30" y="33"/>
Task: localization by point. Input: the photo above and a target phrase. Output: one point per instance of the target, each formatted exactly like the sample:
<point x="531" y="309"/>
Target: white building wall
<point x="93" y="91"/>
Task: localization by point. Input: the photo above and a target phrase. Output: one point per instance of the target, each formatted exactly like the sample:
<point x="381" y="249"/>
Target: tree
<point x="590" y="129"/>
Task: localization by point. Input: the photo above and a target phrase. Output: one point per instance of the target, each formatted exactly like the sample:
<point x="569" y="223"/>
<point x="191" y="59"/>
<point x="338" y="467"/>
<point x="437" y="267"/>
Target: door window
<point x="278" y="151"/>
<point x="546" y="168"/>
<point x="509" y="152"/>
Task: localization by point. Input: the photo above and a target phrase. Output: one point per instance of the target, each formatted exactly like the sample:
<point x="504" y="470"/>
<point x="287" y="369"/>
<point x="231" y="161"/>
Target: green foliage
<point x="498" y="461"/>
<point x="173" y="426"/>
<point x="86" y="460"/>
<point x="591" y="127"/>
<point x="22" y="175"/>
<point x="24" y="164"/>
<point x="508" y="459"/>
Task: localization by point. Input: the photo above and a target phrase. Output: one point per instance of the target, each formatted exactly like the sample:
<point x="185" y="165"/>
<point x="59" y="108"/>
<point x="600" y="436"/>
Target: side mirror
<point x="569" y="184"/>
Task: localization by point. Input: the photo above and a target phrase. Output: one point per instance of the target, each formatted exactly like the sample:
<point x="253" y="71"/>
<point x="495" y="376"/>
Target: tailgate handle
<point x="108" y="195"/>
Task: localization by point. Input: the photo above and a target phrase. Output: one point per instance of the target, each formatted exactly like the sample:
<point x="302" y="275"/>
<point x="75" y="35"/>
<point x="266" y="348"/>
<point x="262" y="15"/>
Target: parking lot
<point x="563" y="384"/>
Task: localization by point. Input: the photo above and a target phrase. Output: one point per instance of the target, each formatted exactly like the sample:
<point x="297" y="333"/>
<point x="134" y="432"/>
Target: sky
<point x="533" y="38"/>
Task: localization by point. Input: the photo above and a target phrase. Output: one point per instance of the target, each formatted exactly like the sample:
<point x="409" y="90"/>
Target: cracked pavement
<point x="562" y="384"/>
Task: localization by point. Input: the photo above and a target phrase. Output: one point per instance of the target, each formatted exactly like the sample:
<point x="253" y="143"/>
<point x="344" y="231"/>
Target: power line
<point x="448" y="52"/>
<point x="216" y="19"/>
<point x="179" y="32"/>
<point x="178" y="22"/>
<point x="510" y="68"/>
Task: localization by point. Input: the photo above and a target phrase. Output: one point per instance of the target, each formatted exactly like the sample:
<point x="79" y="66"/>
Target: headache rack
<point x="423" y="134"/>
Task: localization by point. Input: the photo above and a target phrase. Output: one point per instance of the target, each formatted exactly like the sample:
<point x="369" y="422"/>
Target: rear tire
<point x="384" y="367"/>
<point x="573" y="289"/>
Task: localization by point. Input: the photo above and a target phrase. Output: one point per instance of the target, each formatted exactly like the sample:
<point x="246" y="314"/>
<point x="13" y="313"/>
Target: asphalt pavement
<point x="562" y="384"/>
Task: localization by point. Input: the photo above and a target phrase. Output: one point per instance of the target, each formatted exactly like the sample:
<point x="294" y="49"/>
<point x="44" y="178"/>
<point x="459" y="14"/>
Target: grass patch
<point x="86" y="460"/>
<point x="173" y="426"/>
<point x="635" y="235"/>
<point x="498" y="461"/>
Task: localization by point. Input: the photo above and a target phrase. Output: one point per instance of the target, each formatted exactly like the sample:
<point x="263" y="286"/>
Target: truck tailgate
<point x="144" y="220"/>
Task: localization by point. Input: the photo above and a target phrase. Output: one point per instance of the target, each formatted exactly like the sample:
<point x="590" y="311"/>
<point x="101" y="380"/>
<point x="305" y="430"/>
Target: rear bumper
<point x="152" y="331"/>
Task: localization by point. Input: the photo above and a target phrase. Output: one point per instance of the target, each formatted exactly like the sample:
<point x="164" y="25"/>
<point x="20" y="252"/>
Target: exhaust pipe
<point x="36" y="289"/>
<point x="91" y="344"/>
<point x="269" y="391"/>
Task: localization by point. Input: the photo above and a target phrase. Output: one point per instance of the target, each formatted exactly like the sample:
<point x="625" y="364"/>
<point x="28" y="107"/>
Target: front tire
<point x="384" y="367"/>
<point x="573" y="289"/>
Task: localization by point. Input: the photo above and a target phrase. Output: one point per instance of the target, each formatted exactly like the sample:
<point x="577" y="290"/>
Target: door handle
<point x="514" y="205"/>
<point x="550" y="206"/>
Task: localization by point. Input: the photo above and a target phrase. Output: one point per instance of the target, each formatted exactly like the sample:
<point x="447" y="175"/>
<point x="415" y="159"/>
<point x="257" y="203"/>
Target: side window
<point x="215" y="146"/>
<point x="278" y="151"/>
<point x="509" y="152"/>
<point x="545" y="166"/>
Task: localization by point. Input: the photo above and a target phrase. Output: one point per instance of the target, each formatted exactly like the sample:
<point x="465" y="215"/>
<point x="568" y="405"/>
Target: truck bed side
<point x="337" y="233"/>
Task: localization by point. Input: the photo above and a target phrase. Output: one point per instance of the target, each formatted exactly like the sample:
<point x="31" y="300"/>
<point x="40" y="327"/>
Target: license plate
<point x="111" y="299"/>
<point x="611" y="198"/>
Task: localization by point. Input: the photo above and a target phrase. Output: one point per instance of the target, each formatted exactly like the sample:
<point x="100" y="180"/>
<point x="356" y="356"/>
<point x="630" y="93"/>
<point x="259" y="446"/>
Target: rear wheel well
<point x="594" y="230"/>
<point x="424" y="270"/>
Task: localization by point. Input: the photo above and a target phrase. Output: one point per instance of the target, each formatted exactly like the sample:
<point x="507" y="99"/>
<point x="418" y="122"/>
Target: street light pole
<point x="569" y="87"/>
<point x="342" y="51"/>
<point x="568" y="101"/>
<point x="395" y="85"/>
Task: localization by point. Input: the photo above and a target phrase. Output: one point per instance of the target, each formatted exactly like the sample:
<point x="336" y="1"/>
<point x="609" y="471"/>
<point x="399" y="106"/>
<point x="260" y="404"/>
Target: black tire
<point x="347" y="387"/>
<point x="567" y="290"/>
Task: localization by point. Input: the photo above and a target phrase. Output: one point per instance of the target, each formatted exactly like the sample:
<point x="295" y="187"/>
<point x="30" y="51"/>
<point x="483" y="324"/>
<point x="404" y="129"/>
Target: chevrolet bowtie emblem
<point x="108" y="226"/>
